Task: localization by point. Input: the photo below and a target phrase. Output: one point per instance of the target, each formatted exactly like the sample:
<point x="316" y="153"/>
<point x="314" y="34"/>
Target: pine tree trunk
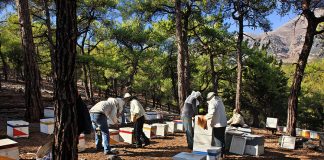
<point x="181" y="56"/>
<point x="90" y="82"/>
<point x="49" y="33"/>
<point x="65" y="93"/>
<point x="300" y="68"/>
<point x="5" y="65"/>
<point x="33" y="96"/>
<point x="213" y="73"/>
<point x="239" y="65"/>
<point x="186" y="51"/>
<point x="173" y="78"/>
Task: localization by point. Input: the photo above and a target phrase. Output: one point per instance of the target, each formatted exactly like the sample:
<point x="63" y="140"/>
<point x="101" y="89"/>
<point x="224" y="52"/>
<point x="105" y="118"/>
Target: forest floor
<point x="12" y="107"/>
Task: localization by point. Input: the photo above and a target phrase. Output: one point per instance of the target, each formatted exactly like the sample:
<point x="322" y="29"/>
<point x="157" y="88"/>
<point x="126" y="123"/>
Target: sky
<point x="274" y="18"/>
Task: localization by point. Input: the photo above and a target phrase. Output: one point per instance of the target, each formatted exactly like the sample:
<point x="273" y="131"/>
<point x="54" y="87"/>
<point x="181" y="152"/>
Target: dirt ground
<point x="12" y="107"/>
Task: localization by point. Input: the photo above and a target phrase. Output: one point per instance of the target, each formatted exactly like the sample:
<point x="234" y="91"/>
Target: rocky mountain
<point x="287" y="41"/>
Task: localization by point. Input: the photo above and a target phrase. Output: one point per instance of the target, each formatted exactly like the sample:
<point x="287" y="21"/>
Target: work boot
<point x="147" y="143"/>
<point x="138" y="146"/>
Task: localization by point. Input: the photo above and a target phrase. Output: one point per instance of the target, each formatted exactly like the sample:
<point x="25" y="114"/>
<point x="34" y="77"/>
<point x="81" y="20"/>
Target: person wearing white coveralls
<point x="217" y="115"/>
<point x="189" y="111"/>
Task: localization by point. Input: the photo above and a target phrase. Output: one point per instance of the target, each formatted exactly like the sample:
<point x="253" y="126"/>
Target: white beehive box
<point x="49" y="112"/>
<point x="126" y="134"/>
<point x="203" y="139"/>
<point x="314" y="135"/>
<point x="188" y="156"/>
<point x="247" y="130"/>
<point x="82" y="143"/>
<point x="212" y="153"/>
<point x="171" y="127"/>
<point x="237" y="145"/>
<point x="254" y="144"/>
<point x="298" y="132"/>
<point x="9" y="149"/>
<point x="114" y="136"/>
<point x="149" y="130"/>
<point x="47" y="125"/>
<point x="254" y="150"/>
<point x="288" y="142"/>
<point x="201" y="131"/>
<point x="179" y="125"/>
<point x="16" y="129"/>
<point x="271" y="122"/>
<point x="151" y="115"/>
<point x="161" y="129"/>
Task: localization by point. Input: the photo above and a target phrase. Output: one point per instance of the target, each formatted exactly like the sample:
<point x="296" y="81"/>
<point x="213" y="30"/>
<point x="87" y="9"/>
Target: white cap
<point x="210" y="95"/>
<point x="127" y="95"/>
<point x="197" y="94"/>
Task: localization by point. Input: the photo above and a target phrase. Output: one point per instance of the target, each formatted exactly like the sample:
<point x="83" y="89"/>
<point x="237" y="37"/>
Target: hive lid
<point x="7" y="142"/>
<point x="17" y="123"/>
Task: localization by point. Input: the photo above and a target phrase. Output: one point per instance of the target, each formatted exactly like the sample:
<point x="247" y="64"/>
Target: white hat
<point x="210" y="95"/>
<point x="197" y="94"/>
<point x="127" y="95"/>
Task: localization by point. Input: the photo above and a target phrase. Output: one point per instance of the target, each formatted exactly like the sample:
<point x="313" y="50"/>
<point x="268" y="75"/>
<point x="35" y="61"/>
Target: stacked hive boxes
<point x="161" y="129"/>
<point x="81" y="145"/>
<point x="9" y="149"/>
<point x="47" y="125"/>
<point x="254" y="144"/>
<point x="114" y="136"/>
<point x="126" y="134"/>
<point x="16" y="129"/>
<point x="149" y="130"/>
<point x="49" y="112"/>
<point x="171" y="127"/>
<point x="202" y="137"/>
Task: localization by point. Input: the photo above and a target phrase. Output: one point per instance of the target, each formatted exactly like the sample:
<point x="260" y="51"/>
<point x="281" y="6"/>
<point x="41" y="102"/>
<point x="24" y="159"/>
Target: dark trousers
<point x="138" y="129"/>
<point x="219" y="138"/>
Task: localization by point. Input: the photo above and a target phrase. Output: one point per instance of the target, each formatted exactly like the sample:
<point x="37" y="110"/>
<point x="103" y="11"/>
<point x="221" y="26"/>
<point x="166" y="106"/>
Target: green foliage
<point x="311" y="99"/>
<point x="264" y="86"/>
<point x="11" y="43"/>
<point x="130" y="44"/>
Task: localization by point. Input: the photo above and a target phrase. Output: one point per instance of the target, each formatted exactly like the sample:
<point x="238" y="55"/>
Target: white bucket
<point x="213" y="154"/>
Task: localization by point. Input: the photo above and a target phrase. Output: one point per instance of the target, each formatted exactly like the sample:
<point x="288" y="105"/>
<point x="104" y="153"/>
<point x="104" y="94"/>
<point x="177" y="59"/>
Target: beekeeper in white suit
<point x="189" y="111"/>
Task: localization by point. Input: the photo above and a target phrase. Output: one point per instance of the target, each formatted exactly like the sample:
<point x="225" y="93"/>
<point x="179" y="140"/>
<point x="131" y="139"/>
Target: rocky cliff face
<point x="287" y="41"/>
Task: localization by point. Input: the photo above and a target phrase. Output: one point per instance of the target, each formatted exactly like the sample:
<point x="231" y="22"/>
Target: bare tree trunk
<point x="239" y="65"/>
<point x="301" y="65"/>
<point x="181" y="56"/>
<point x="65" y="92"/>
<point x="33" y="96"/>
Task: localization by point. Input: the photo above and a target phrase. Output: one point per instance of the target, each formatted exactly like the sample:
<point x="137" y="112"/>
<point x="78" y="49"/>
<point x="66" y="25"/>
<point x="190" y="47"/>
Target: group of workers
<point x="216" y="114"/>
<point x="113" y="108"/>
